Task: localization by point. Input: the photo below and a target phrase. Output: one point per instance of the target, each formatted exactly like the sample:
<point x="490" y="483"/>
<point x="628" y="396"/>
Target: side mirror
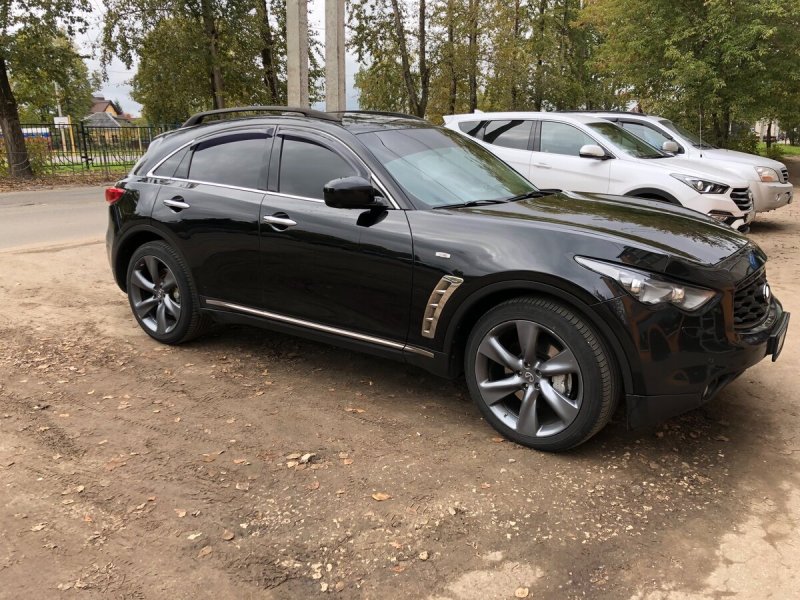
<point x="593" y="151"/>
<point x="350" y="192"/>
<point x="671" y="147"/>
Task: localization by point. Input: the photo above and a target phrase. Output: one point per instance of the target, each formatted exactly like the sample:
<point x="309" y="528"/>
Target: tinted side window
<point x="471" y="128"/>
<point x="306" y="167"/>
<point x="169" y="166"/>
<point x="509" y="134"/>
<point x="646" y="133"/>
<point x="560" y="138"/>
<point x="234" y="159"/>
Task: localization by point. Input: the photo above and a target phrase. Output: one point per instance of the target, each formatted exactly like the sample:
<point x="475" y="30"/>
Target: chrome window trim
<point x="375" y="181"/>
<point x="319" y="327"/>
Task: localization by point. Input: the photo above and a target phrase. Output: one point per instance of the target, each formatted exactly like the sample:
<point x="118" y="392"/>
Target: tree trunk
<point x="268" y="54"/>
<point x="539" y="79"/>
<point x="473" y="54"/>
<point x="19" y="166"/>
<point x="451" y="27"/>
<point x="424" y="72"/>
<point x="212" y="38"/>
<point x="514" y="87"/>
<point x="404" y="60"/>
<point x="769" y="134"/>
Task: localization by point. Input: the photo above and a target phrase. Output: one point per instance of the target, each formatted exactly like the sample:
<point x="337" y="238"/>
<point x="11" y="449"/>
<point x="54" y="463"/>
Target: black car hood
<point x="653" y="235"/>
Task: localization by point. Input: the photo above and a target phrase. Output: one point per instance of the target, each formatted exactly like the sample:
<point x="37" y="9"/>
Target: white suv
<point x="768" y="179"/>
<point x="588" y="154"/>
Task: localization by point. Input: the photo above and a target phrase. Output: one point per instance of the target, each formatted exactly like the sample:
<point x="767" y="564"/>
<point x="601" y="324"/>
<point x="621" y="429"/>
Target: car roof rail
<point x="383" y="113"/>
<point x="198" y="118"/>
<point x="618" y="112"/>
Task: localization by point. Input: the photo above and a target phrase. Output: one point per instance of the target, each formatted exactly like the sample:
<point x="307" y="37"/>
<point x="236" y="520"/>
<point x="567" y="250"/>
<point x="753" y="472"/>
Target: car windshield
<point x="696" y="141"/>
<point x="626" y="141"/>
<point x="439" y="167"/>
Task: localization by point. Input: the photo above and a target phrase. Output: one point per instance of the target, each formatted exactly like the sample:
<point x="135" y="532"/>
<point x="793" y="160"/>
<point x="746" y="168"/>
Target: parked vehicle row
<point x="386" y="234"/>
<point x="586" y="153"/>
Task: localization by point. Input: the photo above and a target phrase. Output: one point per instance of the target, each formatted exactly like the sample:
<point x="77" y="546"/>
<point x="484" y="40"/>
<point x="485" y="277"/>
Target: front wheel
<point x="540" y="374"/>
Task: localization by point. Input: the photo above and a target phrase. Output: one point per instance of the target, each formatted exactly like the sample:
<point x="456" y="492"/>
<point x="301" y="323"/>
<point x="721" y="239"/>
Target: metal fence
<point x="58" y="149"/>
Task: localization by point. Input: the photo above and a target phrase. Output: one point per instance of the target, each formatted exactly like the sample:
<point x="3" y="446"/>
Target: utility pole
<point x="335" y="96"/>
<point x="297" y="52"/>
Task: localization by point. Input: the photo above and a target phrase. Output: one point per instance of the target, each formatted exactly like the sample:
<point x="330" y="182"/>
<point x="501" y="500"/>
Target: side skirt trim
<point x="319" y="327"/>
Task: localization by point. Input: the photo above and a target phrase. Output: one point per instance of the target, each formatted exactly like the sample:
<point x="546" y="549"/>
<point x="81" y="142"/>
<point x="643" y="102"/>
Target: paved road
<point x="54" y="216"/>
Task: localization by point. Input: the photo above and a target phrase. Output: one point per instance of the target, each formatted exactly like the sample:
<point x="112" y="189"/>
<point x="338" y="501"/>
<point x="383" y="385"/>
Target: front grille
<point x="750" y="308"/>
<point x="784" y="175"/>
<point x="743" y="198"/>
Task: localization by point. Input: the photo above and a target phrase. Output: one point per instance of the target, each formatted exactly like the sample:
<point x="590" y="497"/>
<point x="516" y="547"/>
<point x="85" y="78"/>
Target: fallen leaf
<point x="397" y="545"/>
<point x="39" y="527"/>
<point x="181" y="513"/>
<point x="306" y="458"/>
<point x="314" y="485"/>
<point x="292" y="463"/>
<point x="293" y="456"/>
<point x="351" y="409"/>
<point x="521" y="592"/>
<point x="381" y="496"/>
<point x="398" y="568"/>
<point x="194" y="536"/>
<point x="243" y="486"/>
<point x="228" y="535"/>
<point x="347" y="461"/>
<point x="486" y="486"/>
<point x="240" y="461"/>
<point x="115" y="463"/>
<point x="343" y="455"/>
<point x="79" y="489"/>
<point x="423" y="555"/>
<point x="204" y="551"/>
<point x="498" y="440"/>
<point x="177" y="419"/>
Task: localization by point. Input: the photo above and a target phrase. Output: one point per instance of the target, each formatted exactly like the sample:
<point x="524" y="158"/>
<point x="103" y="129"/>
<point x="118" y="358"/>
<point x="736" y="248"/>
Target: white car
<point x="585" y="153"/>
<point x="768" y="179"/>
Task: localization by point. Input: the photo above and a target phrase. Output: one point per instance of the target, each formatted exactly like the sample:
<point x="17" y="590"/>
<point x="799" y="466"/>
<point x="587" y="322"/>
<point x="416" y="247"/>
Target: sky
<point x="117" y="87"/>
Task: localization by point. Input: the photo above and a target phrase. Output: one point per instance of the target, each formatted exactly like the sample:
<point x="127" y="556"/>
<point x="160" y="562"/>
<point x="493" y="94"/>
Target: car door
<point x="342" y="268"/>
<point x="556" y="161"/>
<point x="648" y="133"/>
<point x="210" y="202"/>
<point x="511" y="140"/>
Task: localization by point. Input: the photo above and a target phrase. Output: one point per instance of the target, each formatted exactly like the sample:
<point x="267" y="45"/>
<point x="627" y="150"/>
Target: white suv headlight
<point x="768" y="175"/>
<point x="648" y="288"/>
<point x="701" y="186"/>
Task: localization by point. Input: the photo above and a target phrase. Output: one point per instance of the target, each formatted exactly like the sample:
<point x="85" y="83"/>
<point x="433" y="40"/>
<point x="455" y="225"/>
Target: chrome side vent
<point x="439" y="297"/>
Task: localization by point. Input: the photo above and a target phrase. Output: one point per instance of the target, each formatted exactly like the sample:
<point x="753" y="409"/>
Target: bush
<point x="743" y="141"/>
<point x="775" y="152"/>
<point x="38" y="155"/>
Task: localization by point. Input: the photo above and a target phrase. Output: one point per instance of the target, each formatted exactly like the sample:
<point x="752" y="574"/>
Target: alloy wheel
<point x="529" y="378"/>
<point x="155" y="295"/>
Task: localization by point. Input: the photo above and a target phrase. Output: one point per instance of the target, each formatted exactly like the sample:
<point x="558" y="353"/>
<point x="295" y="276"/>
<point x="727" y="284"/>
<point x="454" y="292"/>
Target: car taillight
<point x="113" y="194"/>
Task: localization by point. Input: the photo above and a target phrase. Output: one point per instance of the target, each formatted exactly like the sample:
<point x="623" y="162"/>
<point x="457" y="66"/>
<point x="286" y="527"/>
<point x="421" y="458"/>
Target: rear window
<point x="508" y="134"/>
<point x="471" y="128"/>
<point x="238" y="159"/>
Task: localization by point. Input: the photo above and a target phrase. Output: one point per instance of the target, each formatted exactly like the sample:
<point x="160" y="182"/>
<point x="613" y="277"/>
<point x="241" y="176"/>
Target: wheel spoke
<point x="495" y="391"/>
<point x="528" y="334"/>
<point x="561" y="405"/>
<point x="494" y="350"/>
<point x="173" y="308"/>
<point x="138" y="279"/>
<point x="528" y="420"/>
<point x="169" y="283"/>
<point x="144" y="307"/>
<point x="161" y="319"/>
<point x="152" y="268"/>
<point x="562" y="363"/>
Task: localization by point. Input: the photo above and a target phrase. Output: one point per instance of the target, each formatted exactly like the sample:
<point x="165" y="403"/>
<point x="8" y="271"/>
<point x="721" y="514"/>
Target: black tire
<point x="159" y="284"/>
<point x="569" y="378"/>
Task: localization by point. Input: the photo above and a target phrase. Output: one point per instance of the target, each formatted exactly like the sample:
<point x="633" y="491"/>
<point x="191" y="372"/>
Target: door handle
<point x="542" y="165"/>
<point x="177" y="203"/>
<point x="279" y="221"/>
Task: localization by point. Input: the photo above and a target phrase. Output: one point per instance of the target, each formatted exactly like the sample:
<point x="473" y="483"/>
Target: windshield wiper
<point x="532" y="194"/>
<point x="472" y="203"/>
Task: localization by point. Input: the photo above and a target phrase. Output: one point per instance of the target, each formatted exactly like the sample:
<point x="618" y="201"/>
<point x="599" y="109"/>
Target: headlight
<point x="701" y="186"/>
<point x="768" y="175"/>
<point x="648" y="288"/>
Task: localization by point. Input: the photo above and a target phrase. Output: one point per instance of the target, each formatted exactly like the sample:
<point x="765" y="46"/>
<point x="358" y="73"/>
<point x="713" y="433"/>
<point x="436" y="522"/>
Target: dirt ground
<point x="254" y="465"/>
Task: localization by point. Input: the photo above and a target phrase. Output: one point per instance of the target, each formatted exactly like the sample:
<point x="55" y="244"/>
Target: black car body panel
<point x="364" y="279"/>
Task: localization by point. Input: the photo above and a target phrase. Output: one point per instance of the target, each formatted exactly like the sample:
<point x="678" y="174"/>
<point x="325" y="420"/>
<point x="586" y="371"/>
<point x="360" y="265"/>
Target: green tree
<point x="26" y="25"/>
<point x="60" y="78"/>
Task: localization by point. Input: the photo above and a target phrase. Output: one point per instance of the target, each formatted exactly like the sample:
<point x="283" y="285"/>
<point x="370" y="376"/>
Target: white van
<point x="586" y="153"/>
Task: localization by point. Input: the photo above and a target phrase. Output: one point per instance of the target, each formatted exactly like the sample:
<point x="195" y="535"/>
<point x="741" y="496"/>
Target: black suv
<point x="383" y="233"/>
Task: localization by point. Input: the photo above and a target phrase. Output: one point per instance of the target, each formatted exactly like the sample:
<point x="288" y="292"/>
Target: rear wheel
<point x="539" y="374"/>
<point x="162" y="296"/>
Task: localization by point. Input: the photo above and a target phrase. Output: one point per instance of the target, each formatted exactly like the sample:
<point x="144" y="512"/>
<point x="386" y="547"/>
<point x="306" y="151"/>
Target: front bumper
<point x="769" y="196"/>
<point x="682" y="361"/>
